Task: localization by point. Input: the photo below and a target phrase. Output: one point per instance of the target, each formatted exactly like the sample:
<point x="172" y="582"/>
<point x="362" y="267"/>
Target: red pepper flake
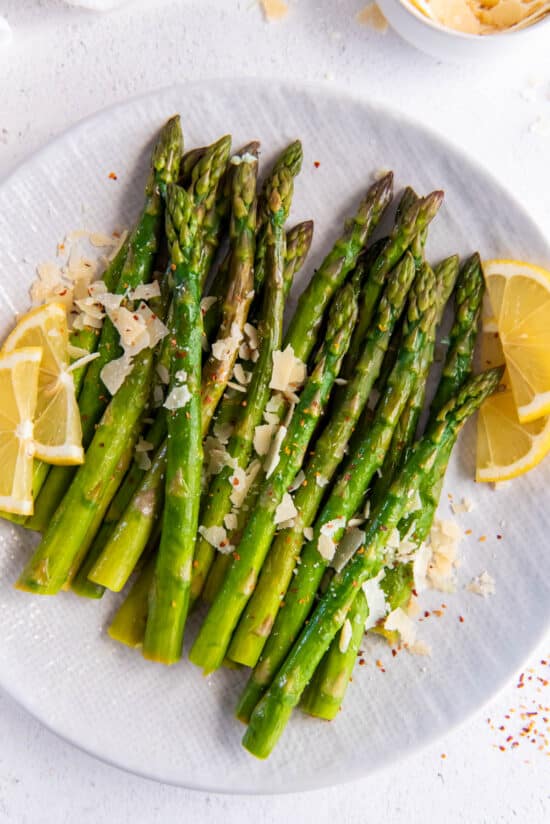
<point x="236" y="556"/>
<point x="316" y="163"/>
<point x="361" y="662"/>
<point x="499" y="537"/>
<point x="426" y="614"/>
<point x="437" y="612"/>
<point x="112" y="176"/>
<point x="443" y="755"/>
<point x="461" y="619"/>
<point x="394" y="652"/>
<point x="482" y="538"/>
<point x="468" y="532"/>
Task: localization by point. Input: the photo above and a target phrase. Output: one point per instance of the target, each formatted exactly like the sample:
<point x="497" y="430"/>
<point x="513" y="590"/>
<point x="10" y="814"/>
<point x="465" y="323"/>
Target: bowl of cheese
<point x="459" y="30"/>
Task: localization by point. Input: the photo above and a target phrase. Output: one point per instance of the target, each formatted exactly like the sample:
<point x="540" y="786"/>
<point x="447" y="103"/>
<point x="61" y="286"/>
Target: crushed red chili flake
<point x="482" y="538"/>
<point x="236" y="556"/>
<point x="361" y="662"/>
<point x="112" y="176"/>
<point x="316" y="163"/>
<point x="461" y="619"/>
<point x="468" y="532"/>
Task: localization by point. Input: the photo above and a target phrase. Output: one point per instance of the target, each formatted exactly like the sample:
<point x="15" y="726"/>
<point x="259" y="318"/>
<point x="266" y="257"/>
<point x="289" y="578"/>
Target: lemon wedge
<point x="520" y="297"/>
<point x="19" y="373"/>
<point x="57" y="429"/>
<point x="506" y="447"/>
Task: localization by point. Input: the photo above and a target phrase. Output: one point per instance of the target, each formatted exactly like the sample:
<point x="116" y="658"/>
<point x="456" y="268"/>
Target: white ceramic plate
<point x="172" y="724"/>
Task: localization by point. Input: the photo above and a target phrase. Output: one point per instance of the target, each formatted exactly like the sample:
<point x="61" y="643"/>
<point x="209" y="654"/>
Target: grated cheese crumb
<point x="372" y="16"/>
<point x="483" y="585"/>
<point x="241" y="375"/>
<point x="225" y="348"/>
<point x="222" y="431"/>
<point x="345" y="636"/>
<point x="207" y="303"/>
<point x="326" y="547"/>
<point x="146" y="291"/>
<point x="320" y="480"/>
<point x="241" y="482"/>
<point x="465" y="506"/>
<point x="420" y="648"/>
<point x="308" y="533"/>
<point x="348" y="546"/>
<point x="231" y="521"/>
<point x="298" y="481"/>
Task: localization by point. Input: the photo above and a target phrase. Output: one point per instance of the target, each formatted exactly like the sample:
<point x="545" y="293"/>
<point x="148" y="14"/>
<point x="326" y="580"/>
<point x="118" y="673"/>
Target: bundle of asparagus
<point x="265" y="447"/>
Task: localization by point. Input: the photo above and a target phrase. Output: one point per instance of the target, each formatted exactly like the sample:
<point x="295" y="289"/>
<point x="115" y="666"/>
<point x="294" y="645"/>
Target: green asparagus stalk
<point x="368" y="449"/>
<point x="274" y="204"/>
<point x="458" y="364"/>
<point x="169" y="596"/>
<point x="221" y="360"/>
<point x="217" y="500"/>
<point x="314" y="300"/>
<point x="257" y="621"/>
<point x="412" y="220"/>
<point x="403" y="437"/>
<point x="272" y="713"/>
<point x="211" y="644"/>
<point x="137" y="268"/>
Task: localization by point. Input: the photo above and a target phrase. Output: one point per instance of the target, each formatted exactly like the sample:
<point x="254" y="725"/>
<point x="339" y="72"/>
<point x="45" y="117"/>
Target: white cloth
<point x="5" y="32"/>
<point x="97" y="5"/>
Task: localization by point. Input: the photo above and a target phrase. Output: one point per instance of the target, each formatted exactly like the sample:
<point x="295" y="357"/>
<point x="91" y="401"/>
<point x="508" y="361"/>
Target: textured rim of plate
<point x="311" y="88"/>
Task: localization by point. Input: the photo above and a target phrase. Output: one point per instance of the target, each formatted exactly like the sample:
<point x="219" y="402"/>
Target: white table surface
<point x="64" y="64"/>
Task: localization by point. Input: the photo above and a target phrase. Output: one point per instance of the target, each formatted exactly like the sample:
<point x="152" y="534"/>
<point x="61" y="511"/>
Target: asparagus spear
<point x="403" y="437"/>
<point x="257" y="621"/>
<point x="169" y="595"/>
<point x="367" y="454"/>
<point x="128" y="625"/>
<point x="314" y="300"/>
<point x="468" y="299"/>
<point x="221" y="361"/>
<point x="274" y="204"/>
<point x="412" y="219"/>
<point x="213" y="639"/>
<point x="137" y="268"/>
<point x="217" y="500"/>
<point x="272" y="713"/>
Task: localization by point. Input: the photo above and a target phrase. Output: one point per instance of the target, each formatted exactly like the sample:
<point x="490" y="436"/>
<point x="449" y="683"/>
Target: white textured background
<point x="64" y="64"/>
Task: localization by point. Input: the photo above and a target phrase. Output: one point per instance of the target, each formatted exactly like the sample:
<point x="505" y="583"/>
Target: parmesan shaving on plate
<point x="241" y="375"/>
<point x="215" y="456"/>
<point x="216" y="536"/>
<point x="289" y="372"/>
<point x="222" y="431"/>
<point x="146" y="291"/>
<point x="345" y="636"/>
<point x="483" y="585"/>
<point x="273" y="456"/>
<point x="248" y="349"/>
<point x="308" y="533"/>
<point x="326" y="545"/>
<point x="372" y="16"/>
<point x="274" y="9"/>
<point x="320" y="480"/>
<point x="286" y="509"/>
<point x="376" y="599"/>
<point x="298" y="481"/>
<point x="465" y="506"/>
<point x="399" y="621"/>
<point x="435" y="563"/>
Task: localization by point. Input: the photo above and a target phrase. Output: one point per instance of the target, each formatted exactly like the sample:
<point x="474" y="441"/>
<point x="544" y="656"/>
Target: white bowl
<point x="447" y="44"/>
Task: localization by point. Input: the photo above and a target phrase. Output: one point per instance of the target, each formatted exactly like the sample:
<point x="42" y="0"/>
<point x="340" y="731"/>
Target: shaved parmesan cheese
<point x="215" y="456"/>
<point x="263" y="435"/>
<point x="420" y="648"/>
<point x="273" y="457"/>
<point x="115" y="373"/>
<point x="376" y="599"/>
<point x="231" y="521"/>
<point x="177" y="398"/>
<point x="129" y="325"/>
<point x="241" y="482"/>
<point x="372" y="16"/>
<point x="236" y="386"/>
<point x="286" y="509"/>
<point x="308" y="533"/>
<point x="421" y="562"/>
<point x="252" y="337"/>
<point x="445" y="537"/>
<point x="298" y="481"/>
<point x="345" y="636"/>
<point x="222" y="431"/>
<point x="289" y="372"/>
<point x="83" y="361"/>
<point x="320" y="480"/>
<point x="241" y="375"/>
<point x="226" y="348"/>
<point x="483" y="585"/>
<point x="334" y="526"/>
<point x="216" y="536"/>
<point x="399" y="621"/>
<point x="146" y="291"/>
<point x="247" y="157"/>
<point x="101" y="240"/>
<point x="348" y="546"/>
<point x="326" y="547"/>
<point x="274" y="9"/>
<point x="465" y="506"/>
